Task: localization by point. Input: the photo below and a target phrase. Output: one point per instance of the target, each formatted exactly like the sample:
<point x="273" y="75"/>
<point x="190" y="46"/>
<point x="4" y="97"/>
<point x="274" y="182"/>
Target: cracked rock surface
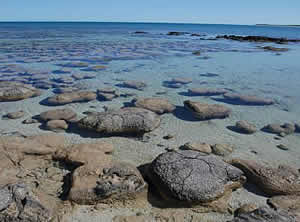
<point x="126" y="120"/>
<point x="18" y="203"/>
<point x="193" y="177"/>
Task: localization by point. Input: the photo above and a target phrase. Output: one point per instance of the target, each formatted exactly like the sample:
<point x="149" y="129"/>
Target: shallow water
<point x="27" y="49"/>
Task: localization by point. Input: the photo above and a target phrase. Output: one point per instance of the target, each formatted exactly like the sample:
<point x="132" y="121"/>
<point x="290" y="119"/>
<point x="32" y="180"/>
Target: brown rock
<point x="245" y="127"/>
<point x="222" y="149"/>
<point x="247" y="99"/>
<point x="134" y="85"/>
<point x="58" y="114"/>
<point x="13" y="91"/>
<point x="66" y="98"/>
<point x="57" y="125"/>
<point x="157" y="105"/>
<point x="286" y="128"/>
<point x="206" y="92"/>
<point x="201" y="147"/>
<point x="205" y="111"/>
<point x="283" y="180"/>
<point x="15" y="115"/>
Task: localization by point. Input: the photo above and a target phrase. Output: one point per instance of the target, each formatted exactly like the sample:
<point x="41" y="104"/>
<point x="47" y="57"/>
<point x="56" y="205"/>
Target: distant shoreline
<point x="277" y="25"/>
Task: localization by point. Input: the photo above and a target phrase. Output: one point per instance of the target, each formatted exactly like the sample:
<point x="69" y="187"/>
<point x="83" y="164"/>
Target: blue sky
<point x="188" y="11"/>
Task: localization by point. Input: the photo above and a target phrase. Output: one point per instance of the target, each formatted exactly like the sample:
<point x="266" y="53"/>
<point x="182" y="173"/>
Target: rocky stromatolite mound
<point x="57" y="125"/>
<point x="244" y="127"/>
<point x="58" y="114"/>
<point x="157" y="105"/>
<point x="290" y="203"/>
<point x="201" y="147"/>
<point x="98" y="178"/>
<point x="28" y="180"/>
<point x="126" y="120"/>
<point x="139" y="85"/>
<point x="205" y="111"/>
<point x="264" y="214"/>
<point x="15" y="115"/>
<point x="283" y="180"/>
<point x="193" y="178"/>
<point x="27" y="206"/>
<point x="73" y="97"/>
<point x="206" y="92"/>
<point x="284" y="129"/>
<point x="107" y="94"/>
<point x="258" y="39"/>
<point x="14" y="91"/>
<point x="247" y="99"/>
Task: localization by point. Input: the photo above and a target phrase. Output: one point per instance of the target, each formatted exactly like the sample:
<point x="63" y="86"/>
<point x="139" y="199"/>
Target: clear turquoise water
<point x="155" y="57"/>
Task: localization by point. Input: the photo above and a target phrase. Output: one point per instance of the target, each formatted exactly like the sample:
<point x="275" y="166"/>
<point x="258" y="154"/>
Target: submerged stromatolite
<point x="205" y="111"/>
<point x="14" y="91"/>
<point x="126" y="120"/>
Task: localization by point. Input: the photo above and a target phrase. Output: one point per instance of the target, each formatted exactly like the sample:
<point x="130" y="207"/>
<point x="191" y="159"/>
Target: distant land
<point x="278" y="25"/>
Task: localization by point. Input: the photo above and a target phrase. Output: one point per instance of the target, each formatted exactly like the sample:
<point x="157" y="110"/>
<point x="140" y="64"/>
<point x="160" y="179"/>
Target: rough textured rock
<point x="13" y="91"/>
<point x="286" y="128"/>
<point x="206" y="92"/>
<point x="66" y="98"/>
<point x="245" y="127"/>
<point x="246" y="208"/>
<point x="98" y="178"/>
<point x="126" y="120"/>
<point x="28" y="207"/>
<point x="107" y="94"/>
<point x="58" y="114"/>
<point x="205" y="111"/>
<point x="157" y="105"/>
<point x="135" y="84"/>
<point x="57" y="125"/>
<point x="15" y="115"/>
<point x="290" y="203"/>
<point x="222" y="149"/>
<point x="283" y="180"/>
<point x="264" y="214"/>
<point x="247" y="99"/>
<point x="86" y="154"/>
<point x="191" y="177"/>
<point x="201" y="147"/>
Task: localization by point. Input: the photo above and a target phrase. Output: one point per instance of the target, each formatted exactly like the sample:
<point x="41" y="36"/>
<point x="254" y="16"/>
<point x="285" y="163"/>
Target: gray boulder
<point x="192" y="177"/>
<point x="58" y="114"/>
<point x="126" y="120"/>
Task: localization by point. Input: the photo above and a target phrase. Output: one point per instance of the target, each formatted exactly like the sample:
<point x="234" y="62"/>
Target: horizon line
<point x="134" y="22"/>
